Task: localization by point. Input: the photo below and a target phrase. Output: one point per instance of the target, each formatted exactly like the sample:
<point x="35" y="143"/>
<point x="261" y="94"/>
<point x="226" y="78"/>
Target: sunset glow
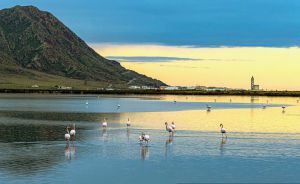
<point x="273" y="68"/>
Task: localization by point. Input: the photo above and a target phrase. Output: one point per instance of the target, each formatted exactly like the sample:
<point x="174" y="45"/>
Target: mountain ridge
<point x="37" y="40"/>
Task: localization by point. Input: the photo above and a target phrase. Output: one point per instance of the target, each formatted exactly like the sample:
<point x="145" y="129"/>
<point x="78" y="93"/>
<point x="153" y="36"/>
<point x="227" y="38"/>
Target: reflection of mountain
<point x="31" y="133"/>
<point x="29" y="159"/>
<point x="24" y="151"/>
<point x="60" y="116"/>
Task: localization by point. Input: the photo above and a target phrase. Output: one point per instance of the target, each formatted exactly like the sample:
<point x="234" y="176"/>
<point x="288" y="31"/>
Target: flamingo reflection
<point x="70" y="152"/>
<point x="169" y="142"/>
<point x="222" y="145"/>
<point x="144" y="152"/>
<point x="128" y="134"/>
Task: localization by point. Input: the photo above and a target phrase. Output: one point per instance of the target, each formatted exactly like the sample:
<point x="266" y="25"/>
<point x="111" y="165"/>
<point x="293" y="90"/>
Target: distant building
<point x="35" y="86"/>
<point x="254" y="87"/>
<point x="201" y="88"/>
<point x="172" y="88"/>
<point x="109" y="89"/>
<point x="64" y="87"/>
<point x="191" y="88"/>
<point x="148" y="87"/>
<point x="134" y="87"/>
<point x="216" y="89"/>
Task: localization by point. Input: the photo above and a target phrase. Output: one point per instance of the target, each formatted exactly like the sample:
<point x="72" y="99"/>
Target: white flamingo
<point x="144" y="138"/>
<point x="128" y="124"/>
<point x="104" y="124"/>
<point x="169" y="128"/>
<point x="73" y="132"/>
<point x="67" y="135"/>
<point x="223" y="131"/>
<point x="173" y="126"/>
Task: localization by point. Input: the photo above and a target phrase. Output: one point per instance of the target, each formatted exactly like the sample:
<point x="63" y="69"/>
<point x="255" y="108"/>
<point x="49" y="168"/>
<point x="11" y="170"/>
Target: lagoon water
<point x="263" y="145"/>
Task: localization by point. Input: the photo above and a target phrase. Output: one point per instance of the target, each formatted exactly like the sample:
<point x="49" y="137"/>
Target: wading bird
<point x="67" y="135"/>
<point x="144" y="138"/>
<point x="173" y="126"/>
<point x="208" y="108"/>
<point x="104" y="124"/>
<point x="73" y="132"/>
<point x="169" y="128"/>
<point x="128" y="124"/>
<point x="283" y="109"/>
<point x="223" y="131"/>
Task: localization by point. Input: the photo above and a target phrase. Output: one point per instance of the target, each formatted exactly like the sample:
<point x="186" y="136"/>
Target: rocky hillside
<point x="31" y="39"/>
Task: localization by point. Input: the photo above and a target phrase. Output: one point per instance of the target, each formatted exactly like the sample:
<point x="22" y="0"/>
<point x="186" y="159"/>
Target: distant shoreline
<point x="156" y="92"/>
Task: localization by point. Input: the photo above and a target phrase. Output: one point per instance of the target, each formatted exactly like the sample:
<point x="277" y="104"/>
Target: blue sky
<point x="274" y="23"/>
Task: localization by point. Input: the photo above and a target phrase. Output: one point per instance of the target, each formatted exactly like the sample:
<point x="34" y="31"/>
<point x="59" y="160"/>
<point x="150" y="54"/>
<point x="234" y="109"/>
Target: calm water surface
<point x="263" y="145"/>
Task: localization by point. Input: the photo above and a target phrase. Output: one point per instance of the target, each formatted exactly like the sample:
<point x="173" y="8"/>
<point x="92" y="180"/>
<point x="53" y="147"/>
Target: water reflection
<point x="144" y="151"/>
<point x="222" y="145"/>
<point x="67" y="151"/>
<point x="168" y="144"/>
<point x="104" y="134"/>
<point x="32" y="143"/>
<point x="128" y="134"/>
<point x="29" y="159"/>
<point x="70" y="151"/>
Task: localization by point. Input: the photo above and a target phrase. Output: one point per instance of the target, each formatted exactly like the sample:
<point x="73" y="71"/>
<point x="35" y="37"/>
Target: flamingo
<point x="169" y="128"/>
<point x="73" y="132"/>
<point x="223" y="131"/>
<point x="128" y="124"/>
<point x="173" y="126"/>
<point x="144" y="138"/>
<point x="67" y="135"/>
<point x="104" y="124"/>
<point x="208" y="107"/>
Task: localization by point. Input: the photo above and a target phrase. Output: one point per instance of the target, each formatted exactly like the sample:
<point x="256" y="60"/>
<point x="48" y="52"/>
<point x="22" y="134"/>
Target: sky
<point x="227" y="40"/>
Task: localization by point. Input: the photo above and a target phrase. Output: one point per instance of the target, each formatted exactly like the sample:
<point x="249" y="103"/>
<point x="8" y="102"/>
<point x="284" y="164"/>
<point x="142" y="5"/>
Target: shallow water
<point x="262" y="144"/>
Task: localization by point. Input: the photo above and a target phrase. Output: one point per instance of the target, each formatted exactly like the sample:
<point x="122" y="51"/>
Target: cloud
<point x="149" y="59"/>
<point x="185" y="66"/>
<point x="142" y="59"/>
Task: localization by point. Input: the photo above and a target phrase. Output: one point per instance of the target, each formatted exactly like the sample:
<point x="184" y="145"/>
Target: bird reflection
<point x="222" y="145"/>
<point x="144" y="152"/>
<point x="104" y="134"/>
<point x="70" y="151"/>
<point x="73" y="151"/>
<point x="67" y="151"/>
<point x="128" y="134"/>
<point x="169" y="142"/>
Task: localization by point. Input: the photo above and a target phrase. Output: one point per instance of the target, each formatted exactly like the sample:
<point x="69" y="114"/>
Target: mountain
<point x="34" y="41"/>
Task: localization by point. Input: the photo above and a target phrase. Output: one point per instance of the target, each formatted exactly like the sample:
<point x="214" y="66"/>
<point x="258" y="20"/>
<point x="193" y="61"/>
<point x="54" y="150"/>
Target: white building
<point x="134" y="87"/>
<point x="172" y="88"/>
